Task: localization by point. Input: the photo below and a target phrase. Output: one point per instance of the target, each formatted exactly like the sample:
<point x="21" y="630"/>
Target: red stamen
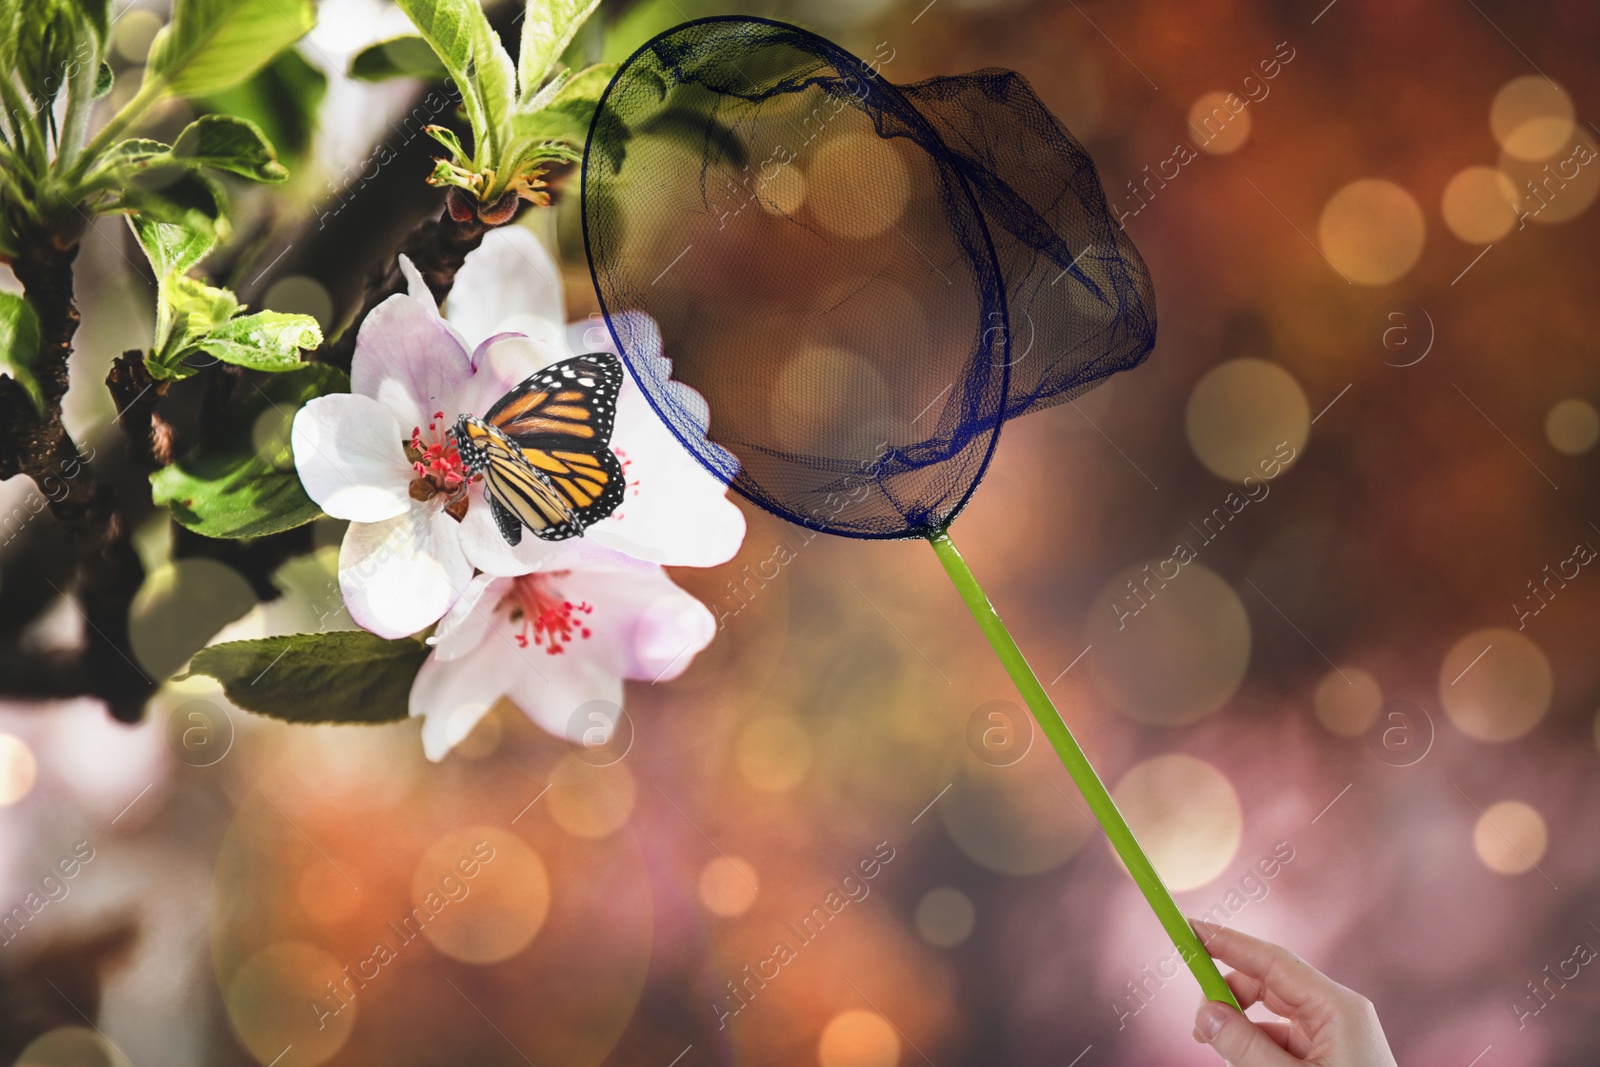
<point x="554" y="621"/>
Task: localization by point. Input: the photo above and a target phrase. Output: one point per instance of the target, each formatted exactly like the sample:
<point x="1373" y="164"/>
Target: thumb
<point x="1238" y="1040"/>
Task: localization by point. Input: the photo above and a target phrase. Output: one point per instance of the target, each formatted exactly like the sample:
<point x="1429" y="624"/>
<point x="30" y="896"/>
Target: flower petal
<point x="465" y="626"/>
<point x="562" y="685"/>
<point x="483" y="543"/>
<point x="453" y="695"/>
<point x="410" y="360"/>
<point x="401" y="575"/>
<point x="676" y="513"/>
<point x="508" y="283"/>
<point x="643" y="626"/>
<point x="348" y="453"/>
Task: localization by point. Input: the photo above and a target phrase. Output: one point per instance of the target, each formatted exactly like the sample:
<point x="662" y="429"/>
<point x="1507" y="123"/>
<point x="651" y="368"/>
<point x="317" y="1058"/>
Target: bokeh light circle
<point x="134" y="32"/>
<point x="728" y="886"/>
<point x="270" y="1001"/>
<point x="1013" y="820"/>
<point x="1531" y="117"/>
<point x="1244" y="416"/>
<point x="325" y="895"/>
<point x="1372" y="231"/>
<point x="590" y="802"/>
<point x="483" y="892"/>
<point x="1187" y="816"/>
<point x="70" y="1046"/>
<point x="1572" y="427"/>
<point x="1219" y="128"/>
<point x="1557" y="189"/>
<point x="1510" y="837"/>
<point x="301" y="295"/>
<point x="1479" y="204"/>
<point x="1169" y="652"/>
<point x="858" y="1038"/>
<point x="773" y="753"/>
<point x="945" y="917"/>
<point x="18" y="769"/>
<point x="837" y="198"/>
<point x="1495" y="684"/>
<point x="1347" y="701"/>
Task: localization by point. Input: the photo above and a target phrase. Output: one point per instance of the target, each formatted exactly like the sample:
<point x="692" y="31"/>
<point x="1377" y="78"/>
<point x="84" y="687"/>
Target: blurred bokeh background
<point x="1361" y="720"/>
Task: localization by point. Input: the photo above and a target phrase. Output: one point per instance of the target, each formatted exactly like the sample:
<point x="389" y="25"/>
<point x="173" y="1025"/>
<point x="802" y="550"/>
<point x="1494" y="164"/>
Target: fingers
<point x="1238" y="1040"/>
<point x="1246" y="990"/>
<point x="1282" y="976"/>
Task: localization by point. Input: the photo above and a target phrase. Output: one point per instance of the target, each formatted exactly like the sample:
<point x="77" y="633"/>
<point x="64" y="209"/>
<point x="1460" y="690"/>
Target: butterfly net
<point x="858" y="282"/>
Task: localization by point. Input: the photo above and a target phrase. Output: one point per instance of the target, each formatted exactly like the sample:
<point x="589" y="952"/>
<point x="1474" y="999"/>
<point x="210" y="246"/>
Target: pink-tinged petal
<point x="401" y="575"/>
<point x="642" y="627"/>
<point x="411" y="361"/>
<point x="500" y="363"/>
<point x="508" y="277"/>
<point x="453" y="695"/>
<point x="485" y="546"/>
<point x="415" y="285"/>
<point x="348" y="453"/>
<point x="554" y="695"/>
<point x="465" y="626"/>
<point x="676" y="513"/>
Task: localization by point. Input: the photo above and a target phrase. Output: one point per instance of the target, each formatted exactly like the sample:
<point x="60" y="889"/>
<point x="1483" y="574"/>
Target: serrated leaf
<point x="212" y="45"/>
<point x="567" y="115"/>
<point x="19" y="343"/>
<point x="548" y="26"/>
<point x="470" y="50"/>
<point x="171" y="248"/>
<point x="246" y="486"/>
<point x="343" y="676"/>
<point x="399" y="57"/>
<point x="224" y="142"/>
<point x="266" y="341"/>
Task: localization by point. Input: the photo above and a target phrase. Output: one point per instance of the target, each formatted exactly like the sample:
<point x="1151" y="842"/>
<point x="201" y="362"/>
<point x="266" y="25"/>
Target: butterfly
<point x="543" y="450"/>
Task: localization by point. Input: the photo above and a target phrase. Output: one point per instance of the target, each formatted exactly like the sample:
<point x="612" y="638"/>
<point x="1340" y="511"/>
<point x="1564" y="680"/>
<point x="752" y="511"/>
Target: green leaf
<point x="447" y="137"/>
<point x="214" y="44"/>
<point x="282" y="99"/>
<point x="104" y="79"/>
<point x="567" y="116"/>
<point x="343" y="676"/>
<point x="19" y="343"/>
<point x="174" y="192"/>
<point x="548" y="26"/>
<point x="49" y="40"/>
<point x="232" y="144"/>
<point x="399" y="57"/>
<point x="246" y="486"/>
<point x="470" y="50"/>
<point x="268" y="340"/>
<point x="171" y="248"/>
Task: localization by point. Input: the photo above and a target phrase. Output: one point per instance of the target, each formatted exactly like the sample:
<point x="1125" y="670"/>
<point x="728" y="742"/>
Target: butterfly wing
<point x="560" y="419"/>
<point x="522" y="495"/>
<point x="571" y="404"/>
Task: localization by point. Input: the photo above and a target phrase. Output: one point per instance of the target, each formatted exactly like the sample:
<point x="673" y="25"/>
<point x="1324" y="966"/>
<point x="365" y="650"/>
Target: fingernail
<point x="1212" y="1017"/>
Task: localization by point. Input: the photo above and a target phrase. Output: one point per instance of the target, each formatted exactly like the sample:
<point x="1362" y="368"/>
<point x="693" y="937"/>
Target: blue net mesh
<point x="859" y="281"/>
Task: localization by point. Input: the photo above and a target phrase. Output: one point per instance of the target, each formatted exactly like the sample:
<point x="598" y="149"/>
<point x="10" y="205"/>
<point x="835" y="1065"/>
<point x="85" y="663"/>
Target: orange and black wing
<point x="571" y="405"/>
<point x="549" y="461"/>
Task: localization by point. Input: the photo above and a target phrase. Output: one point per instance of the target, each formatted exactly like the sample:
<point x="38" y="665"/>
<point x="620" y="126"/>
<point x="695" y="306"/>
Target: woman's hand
<point x="1323" y="1022"/>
